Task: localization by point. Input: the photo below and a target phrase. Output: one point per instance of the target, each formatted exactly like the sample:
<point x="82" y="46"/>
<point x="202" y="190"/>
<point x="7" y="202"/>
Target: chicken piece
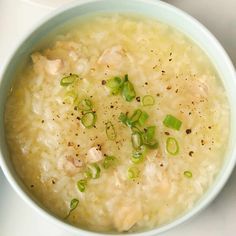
<point x="94" y="155"/>
<point x="41" y="63"/>
<point x="127" y="216"/>
<point x="70" y="165"/>
<point x="112" y="56"/>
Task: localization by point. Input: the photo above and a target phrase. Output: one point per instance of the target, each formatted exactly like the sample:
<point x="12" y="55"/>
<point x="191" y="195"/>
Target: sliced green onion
<point x="73" y="204"/>
<point x="110" y="131"/>
<point x="115" y="85"/>
<point x="133" y="172"/>
<point x="70" y="97"/>
<point x="88" y="119"/>
<point x="148" y="100"/>
<point x="172" y="122"/>
<point x="108" y="161"/>
<point x="93" y="171"/>
<point x="136" y="140"/>
<point x="143" y="117"/>
<point x="81" y="185"/>
<point x="85" y="105"/>
<point x="128" y="91"/>
<point x="138" y="155"/>
<point x="125" y="119"/>
<point x="67" y="80"/>
<point x="188" y="174"/>
<point x="172" y="146"/>
<point x="149" y="133"/>
<point x="136" y="115"/>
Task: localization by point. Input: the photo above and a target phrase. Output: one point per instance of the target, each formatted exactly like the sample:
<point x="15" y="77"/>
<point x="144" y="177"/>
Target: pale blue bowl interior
<point x="155" y="9"/>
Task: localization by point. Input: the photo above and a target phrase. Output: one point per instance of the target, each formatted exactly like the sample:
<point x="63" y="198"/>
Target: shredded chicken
<point x="70" y="165"/>
<point x="112" y="56"/>
<point x="41" y="63"/>
<point x="94" y="155"/>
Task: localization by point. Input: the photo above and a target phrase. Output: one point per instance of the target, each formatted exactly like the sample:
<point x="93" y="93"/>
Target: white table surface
<point x="18" y="219"/>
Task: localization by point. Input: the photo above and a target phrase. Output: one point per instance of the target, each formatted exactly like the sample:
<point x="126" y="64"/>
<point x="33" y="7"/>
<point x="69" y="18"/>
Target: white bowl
<point x="157" y="10"/>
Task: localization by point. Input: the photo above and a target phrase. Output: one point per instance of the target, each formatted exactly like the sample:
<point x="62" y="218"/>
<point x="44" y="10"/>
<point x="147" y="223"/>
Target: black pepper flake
<point x="202" y="142"/>
<point x="158" y="94"/>
<point x="188" y="131"/>
<point x="167" y="133"/>
<point x="163" y="72"/>
<point x="176" y="91"/>
<point x="209" y="127"/>
<point x="78" y="118"/>
<point x="138" y="99"/>
<point x="42" y="121"/>
<point x="190" y="113"/>
<point x="76" y="134"/>
<point x="111" y="106"/>
<point x="104" y="82"/>
<point x="146" y="83"/>
<point x="53" y="181"/>
<point x="31" y="185"/>
<point x="168" y="87"/>
<point x="78" y="145"/>
<point x="72" y="114"/>
<point x="161" y="165"/>
<point x="63" y="103"/>
<point x="77" y="154"/>
<point x="108" y="66"/>
<point x="75" y="108"/>
<point x="190" y="153"/>
<point x="170" y="59"/>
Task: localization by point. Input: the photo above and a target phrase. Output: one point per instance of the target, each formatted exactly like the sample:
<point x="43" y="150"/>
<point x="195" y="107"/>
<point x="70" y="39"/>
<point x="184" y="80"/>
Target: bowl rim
<point x="176" y="222"/>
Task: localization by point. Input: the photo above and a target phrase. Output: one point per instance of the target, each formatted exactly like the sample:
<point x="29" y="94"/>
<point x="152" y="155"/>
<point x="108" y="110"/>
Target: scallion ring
<point x="138" y="155"/>
<point x="93" y="171"/>
<point x="85" y="105"/>
<point x="109" y="161"/>
<point x="148" y="100"/>
<point x="172" y="122"/>
<point x="136" y="139"/>
<point x="188" y="174"/>
<point x="172" y="146"/>
<point x="81" y="185"/>
<point x="88" y="119"/>
<point x="73" y="204"/>
<point x="67" y="80"/>
<point x="133" y="172"/>
<point x="110" y="131"/>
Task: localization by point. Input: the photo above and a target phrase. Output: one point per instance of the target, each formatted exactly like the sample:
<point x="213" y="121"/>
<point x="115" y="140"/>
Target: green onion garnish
<point x="115" y="85"/>
<point x="172" y="122"/>
<point x="133" y="172"/>
<point x="136" y="140"/>
<point x="138" y="155"/>
<point x="110" y="131"/>
<point x="136" y="115"/>
<point x="188" y="174"/>
<point x="67" y="80"/>
<point x="128" y="91"/>
<point x="125" y="119"/>
<point x="73" y="204"/>
<point x="148" y="100"/>
<point x="81" y="184"/>
<point x="108" y="161"/>
<point x="143" y="117"/>
<point x="93" y="171"/>
<point x="172" y="146"/>
<point x="88" y="119"/>
<point x="148" y="137"/>
<point x="85" y="105"/>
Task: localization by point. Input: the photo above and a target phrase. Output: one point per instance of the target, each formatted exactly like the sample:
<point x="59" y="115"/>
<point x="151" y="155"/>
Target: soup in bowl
<point x="119" y="121"/>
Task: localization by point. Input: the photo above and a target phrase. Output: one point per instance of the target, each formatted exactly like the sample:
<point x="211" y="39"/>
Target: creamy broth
<point x="52" y="145"/>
